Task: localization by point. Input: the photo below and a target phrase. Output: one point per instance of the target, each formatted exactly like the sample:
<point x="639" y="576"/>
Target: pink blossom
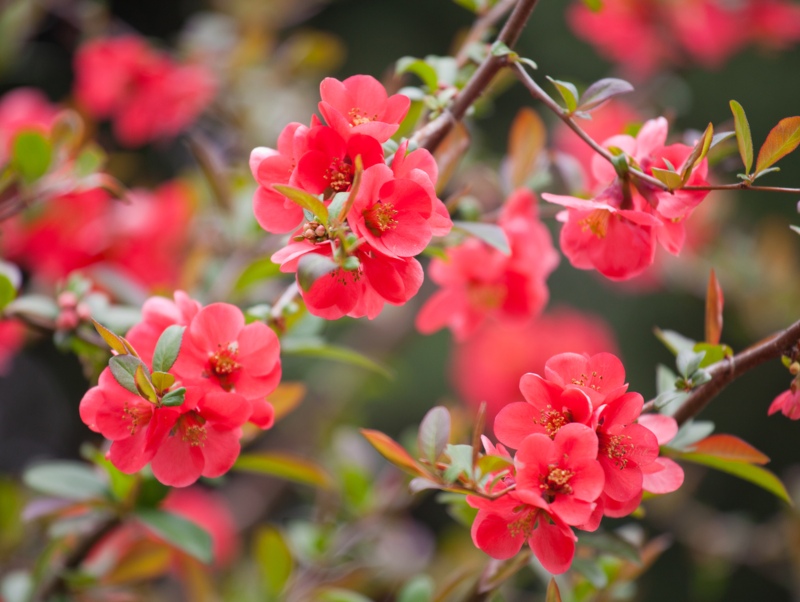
<point x="503" y="525"/>
<point x="146" y="94"/>
<point x="478" y="281"/>
<point x="788" y="403"/>
<point x="360" y="292"/>
<point x="562" y="471"/>
<point x="158" y="313"/>
<point x="360" y="105"/>
<point x="12" y="337"/>
<point x="486" y="366"/>
<point x="220" y="352"/>
<point x="662" y="475"/>
<point x="600" y="376"/>
<point x="275" y="212"/>
<point x="23" y="109"/>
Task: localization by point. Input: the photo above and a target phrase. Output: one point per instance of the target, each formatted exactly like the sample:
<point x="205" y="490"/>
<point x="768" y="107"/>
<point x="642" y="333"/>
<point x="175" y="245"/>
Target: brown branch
<point x="566" y="117"/>
<point x="432" y="134"/>
<point x="743" y="185"/>
<point x="726" y="371"/>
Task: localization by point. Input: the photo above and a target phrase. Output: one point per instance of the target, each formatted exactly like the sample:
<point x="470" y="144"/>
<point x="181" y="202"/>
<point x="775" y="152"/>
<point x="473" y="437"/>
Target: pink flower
<point x="203" y="441"/>
<point x="547" y="408"/>
<point x="359" y="105"/>
<point x="563" y="472"/>
<point x="23" y="109"/>
<point x="616" y="232"/>
<point x="275" y="212"/>
<point x="158" y="313"/>
<point x="788" y="403"/>
<point x="145" y="93"/>
<point x="356" y="293"/>
<point x="503" y="525"/>
<point x="391" y="215"/>
<point x="220" y="353"/>
<point x="600" y="376"/>
<point x="479" y="281"/>
<point x="487" y="366"/>
<point x="662" y="475"/>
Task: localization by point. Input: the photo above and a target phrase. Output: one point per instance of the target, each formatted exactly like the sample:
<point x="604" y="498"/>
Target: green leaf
<point x="174" y="398"/>
<point x="178" y="532"/>
<point x="674" y="341"/>
<point x="305" y="200"/>
<point x="33" y="306"/>
<point x="258" y="271"/>
<point x="418" y="589"/>
<point x="671" y="179"/>
<point x="167" y="348"/>
<point x="601" y="91"/>
<point x="782" y="140"/>
<point x="744" y="138"/>
<point x="591" y="570"/>
<point x="314" y="347"/>
<point x="392" y="451"/>
<point x="568" y="92"/>
<point x="688" y="362"/>
<point x="7" y="291"/>
<point x="729" y="447"/>
<point x="31" y="154"/>
<point x="162" y="381"/>
<point x="460" y="462"/>
<point x="312" y="267"/>
<point x="699" y="152"/>
<point x="285" y="466"/>
<point x="428" y="75"/>
<point x="434" y="433"/>
<point x="65" y="479"/>
<point x="595" y="6"/>
<point x="274" y="559"/>
<point x="123" y="367"/>
<point x="714" y="353"/>
<point x="749" y="472"/>
<point x="113" y="340"/>
<point x="144" y="385"/>
<point x="492" y="234"/>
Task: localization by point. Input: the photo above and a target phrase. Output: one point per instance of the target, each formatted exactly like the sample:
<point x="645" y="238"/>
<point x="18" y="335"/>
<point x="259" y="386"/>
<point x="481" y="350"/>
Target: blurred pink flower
<point x="23" y="109"/>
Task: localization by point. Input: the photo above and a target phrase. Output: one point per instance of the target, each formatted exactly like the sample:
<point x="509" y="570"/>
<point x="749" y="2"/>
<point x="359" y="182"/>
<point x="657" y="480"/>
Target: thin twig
<point x="481" y="26"/>
<point x="743" y="186"/>
<point x="726" y="371"/>
<point x="431" y="135"/>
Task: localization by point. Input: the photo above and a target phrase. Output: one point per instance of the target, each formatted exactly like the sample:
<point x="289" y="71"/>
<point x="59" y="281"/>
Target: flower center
<point x="586" y="381"/>
<point x="616" y="448"/>
<point x="556" y="483"/>
<point x="486" y="296"/>
<point x="552" y="420"/>
<point x="359" y="117"/>
<point x="223" y="364"/>
<point x="523" y="525"/>
<point x="134" y="416"/>
<point x="193" y="430"/>
<point x="380" y="217"/>
<point x="596" y="222"/>
<point x="339" y="175"/>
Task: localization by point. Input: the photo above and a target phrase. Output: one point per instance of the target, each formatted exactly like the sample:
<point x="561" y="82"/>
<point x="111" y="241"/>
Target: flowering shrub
<point x="200" y="324"/>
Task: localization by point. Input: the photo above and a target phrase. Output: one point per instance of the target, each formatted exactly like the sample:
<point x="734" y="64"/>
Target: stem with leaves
<point x="726" y="371"/>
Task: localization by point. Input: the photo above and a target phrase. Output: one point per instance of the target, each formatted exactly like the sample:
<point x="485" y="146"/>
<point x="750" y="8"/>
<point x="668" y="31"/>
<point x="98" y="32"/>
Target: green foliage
<point x="31" y="155"/>
<point x="284" y="466"/>
<point x="178" y="532"/>
<point x="316" y="347"/>
<point x="744" y="139"/>
<point x="274" y="559"/>
<point x="167" y="348"/>
<point x="492" y="234"/>
<point x="305" y="200"/>
<point x="434" y="433"/>
<point x="65" y="479"/>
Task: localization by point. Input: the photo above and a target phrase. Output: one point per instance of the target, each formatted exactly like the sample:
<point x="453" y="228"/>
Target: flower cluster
<point x="706" y="31"/>
<point x="90" y="228"/>
<point x="143" y="91"/>
<point x="583" y="451"/>
<point x="379" y="211"/>
<point x="185" y="381"/>
<point x="479" y="281"/>
<point x="616" y="232"/>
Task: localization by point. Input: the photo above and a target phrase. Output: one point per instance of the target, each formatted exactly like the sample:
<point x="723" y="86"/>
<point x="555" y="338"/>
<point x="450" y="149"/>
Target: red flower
<point x="219" y="352"/>
<point x="391" y="215"/>
<point x="479" y="281"/>
<point x="158" y="313"/>
<point x="359" y="105"/>
<point x="503" y="525"/>
<point x="562" y="471"/>
<point x="356" y="293"/>
<point x="419" y="166"/>
<point x="600" y="376"/>
<point x="788" y="403"/>
<point x="275" y="212"/>
<point x="145" y="93"/>
<point x="12" y="336"/>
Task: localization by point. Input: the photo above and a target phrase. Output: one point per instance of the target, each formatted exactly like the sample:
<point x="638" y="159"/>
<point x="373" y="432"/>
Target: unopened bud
<point x="320" y="231"/>
<point x="67" y="300"/>
<point x="309" y="234"/>
<point x="67" y="320"/>
<point x="84" y="313"/>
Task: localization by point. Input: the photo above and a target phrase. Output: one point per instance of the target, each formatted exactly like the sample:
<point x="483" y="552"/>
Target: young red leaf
<point x="526" y="140"/>
<point x="782" y="140"/>
<point x="144" y="385"/>
<point x="729" y="447"/>
<point x="553" y="593"/>
<point x="698" y="153"/>
<point x="743" y="136"/>
<point x="392" y="451"/>
<point x="112" y="340"/>
<point x="285" y="466"/>
<point x="714" y="304"/>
